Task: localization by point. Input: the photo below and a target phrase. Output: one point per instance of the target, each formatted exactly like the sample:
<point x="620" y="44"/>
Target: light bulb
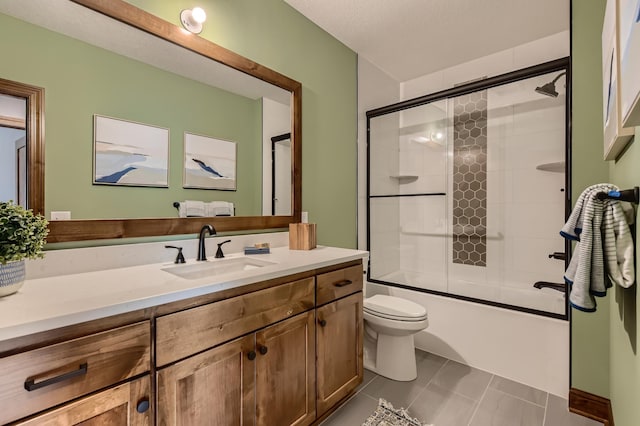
<point x="198" y="15"/>
<point x="192" y="19"/>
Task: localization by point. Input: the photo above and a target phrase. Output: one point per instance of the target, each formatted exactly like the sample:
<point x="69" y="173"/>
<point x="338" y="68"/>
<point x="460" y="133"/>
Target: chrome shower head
<point x="549" y="89"/>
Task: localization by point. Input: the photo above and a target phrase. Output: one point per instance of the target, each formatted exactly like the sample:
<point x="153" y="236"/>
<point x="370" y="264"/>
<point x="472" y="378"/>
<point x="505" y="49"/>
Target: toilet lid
<point x="394" y="307"/>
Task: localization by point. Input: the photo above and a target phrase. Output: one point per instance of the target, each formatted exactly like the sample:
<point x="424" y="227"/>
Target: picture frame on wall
<point x="616" y="137"/>
<point x="127" y="153"/>
<point x="629" y="43"/>
<point x="209" y="163"/>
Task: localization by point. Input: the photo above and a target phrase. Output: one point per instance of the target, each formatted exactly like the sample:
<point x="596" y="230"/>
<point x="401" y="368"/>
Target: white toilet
<point x="389" y="324"/>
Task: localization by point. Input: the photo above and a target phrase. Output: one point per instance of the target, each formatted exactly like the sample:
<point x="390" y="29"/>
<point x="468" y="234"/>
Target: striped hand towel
<point x="603" y="238"/>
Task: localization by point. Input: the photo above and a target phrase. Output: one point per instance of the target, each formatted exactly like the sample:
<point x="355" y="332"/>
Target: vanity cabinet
<point x="339" y="336"/>
<point x="265" y="378"/>
<point x="38" y="379"/>
<point x="216" y="384"/>
<point x="184" y="333"/>
<point x="280" y="352"/>
<point x="285" y="373"/>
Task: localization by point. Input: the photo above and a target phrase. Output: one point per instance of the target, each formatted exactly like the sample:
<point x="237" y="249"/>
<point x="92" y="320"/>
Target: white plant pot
<point x="11" y="277"/>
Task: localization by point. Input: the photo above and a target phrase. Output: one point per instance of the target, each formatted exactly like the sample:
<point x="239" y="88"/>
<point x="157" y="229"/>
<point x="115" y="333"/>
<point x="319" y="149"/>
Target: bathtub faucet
<point x="556" y="286"/>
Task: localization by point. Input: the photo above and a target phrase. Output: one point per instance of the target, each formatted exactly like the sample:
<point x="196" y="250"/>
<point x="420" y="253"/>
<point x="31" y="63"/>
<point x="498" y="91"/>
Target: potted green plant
<point x="22" y="236"/>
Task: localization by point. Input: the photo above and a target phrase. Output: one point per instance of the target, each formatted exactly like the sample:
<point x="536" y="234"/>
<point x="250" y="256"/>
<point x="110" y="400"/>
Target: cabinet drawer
<point x="193" y="330"/>
<point x="35" y="380"/>
<point x="336" y="284"/>
<point x="122" y="405"/>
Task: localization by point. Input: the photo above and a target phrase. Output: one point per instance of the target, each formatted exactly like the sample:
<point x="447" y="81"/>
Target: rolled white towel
<point x="219" y="208"/>
<point x="191" y="208"/>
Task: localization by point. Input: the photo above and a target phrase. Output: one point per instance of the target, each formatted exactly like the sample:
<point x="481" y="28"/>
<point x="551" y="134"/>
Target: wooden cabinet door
<point x="123" y="405"/>
<point x="285" y="372"/>
<point x="339" y="339"/>
<point x="215" y="387"/>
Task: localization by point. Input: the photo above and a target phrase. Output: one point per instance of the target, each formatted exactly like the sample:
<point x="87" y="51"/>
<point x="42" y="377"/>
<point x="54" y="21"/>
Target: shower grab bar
<point x="555" y="286"/>
<point x="498" y="236"/>
<point x="630" y="195"/>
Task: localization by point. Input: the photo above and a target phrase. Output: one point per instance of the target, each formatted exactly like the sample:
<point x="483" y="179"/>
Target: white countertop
<point x="47" y="303"/>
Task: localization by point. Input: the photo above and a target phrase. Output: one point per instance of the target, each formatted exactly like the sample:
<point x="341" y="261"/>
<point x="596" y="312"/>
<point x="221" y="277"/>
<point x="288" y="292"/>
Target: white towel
<point x="618" y="245"/>
<point x="573" y="228"/>
<point x="191" y="208"/>
<point x="604" y="253"/>
<point x="219" y="208"/>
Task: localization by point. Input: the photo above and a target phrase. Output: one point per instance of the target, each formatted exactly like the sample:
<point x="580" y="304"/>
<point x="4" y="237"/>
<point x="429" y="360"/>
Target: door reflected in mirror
<point x="281" y="175"/>
<point x="13" y="149"/>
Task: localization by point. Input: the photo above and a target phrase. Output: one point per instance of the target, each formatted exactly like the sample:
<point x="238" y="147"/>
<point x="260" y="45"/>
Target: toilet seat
<point x="394" y="308"/>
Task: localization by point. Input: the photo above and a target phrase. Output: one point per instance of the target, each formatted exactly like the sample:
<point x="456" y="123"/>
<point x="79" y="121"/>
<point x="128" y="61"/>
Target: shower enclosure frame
<point x="558" y="65"/>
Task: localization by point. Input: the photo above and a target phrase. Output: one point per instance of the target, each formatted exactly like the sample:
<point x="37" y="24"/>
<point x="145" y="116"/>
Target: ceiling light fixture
<point x="192" y="19"/>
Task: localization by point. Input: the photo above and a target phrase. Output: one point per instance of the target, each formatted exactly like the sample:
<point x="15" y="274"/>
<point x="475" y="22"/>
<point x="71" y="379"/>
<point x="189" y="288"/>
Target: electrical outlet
<point x="64" y="215"/>
<point x="305" y="217"/>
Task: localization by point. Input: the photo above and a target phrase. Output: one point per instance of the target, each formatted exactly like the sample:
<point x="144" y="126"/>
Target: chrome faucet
<point x="202" y="254"/>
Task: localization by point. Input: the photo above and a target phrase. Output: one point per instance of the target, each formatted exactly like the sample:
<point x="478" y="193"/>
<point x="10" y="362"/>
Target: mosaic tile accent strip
<point x="470" y="179"/>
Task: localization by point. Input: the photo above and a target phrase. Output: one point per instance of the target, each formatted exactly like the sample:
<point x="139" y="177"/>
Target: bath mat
<point x="386" y="415"/>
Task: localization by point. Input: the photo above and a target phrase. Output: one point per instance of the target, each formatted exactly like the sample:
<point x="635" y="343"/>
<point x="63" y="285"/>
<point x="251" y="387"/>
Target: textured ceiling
<point x="410" y="38"/>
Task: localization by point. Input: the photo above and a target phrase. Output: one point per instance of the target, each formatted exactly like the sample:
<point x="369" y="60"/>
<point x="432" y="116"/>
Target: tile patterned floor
<point x="447" y="393"/>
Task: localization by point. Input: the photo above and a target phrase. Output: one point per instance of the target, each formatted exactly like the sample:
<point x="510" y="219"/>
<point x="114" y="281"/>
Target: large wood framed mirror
<point x="204" y="67"/>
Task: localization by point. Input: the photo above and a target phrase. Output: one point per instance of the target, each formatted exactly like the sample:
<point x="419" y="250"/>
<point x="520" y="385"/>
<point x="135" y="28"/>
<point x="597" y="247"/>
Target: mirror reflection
<point x="92" y="65"/>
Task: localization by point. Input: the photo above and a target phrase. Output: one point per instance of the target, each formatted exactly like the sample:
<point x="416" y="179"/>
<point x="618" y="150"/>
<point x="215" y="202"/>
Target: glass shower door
<point x="466" y="194"/>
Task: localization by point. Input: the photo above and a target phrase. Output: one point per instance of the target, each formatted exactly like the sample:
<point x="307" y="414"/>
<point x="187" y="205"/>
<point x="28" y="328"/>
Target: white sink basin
<point x="194" y="271"/>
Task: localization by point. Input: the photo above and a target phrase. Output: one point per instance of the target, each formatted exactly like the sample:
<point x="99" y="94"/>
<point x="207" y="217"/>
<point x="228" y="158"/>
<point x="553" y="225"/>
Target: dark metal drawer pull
<point x="322" y="323"/>
<point x="31" y="385"/>
<point x="343" y="283"/>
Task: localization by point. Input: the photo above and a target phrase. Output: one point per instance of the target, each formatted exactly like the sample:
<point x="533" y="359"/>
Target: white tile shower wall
<point x="537" y="208"/>
<point x="423" y="238"/>
<point x="385" y="236"/>
<point x="384" y="155"/>
<point x="526" y="348"/>
<point x="421" y="153"/>
<point x="423" y="241"/>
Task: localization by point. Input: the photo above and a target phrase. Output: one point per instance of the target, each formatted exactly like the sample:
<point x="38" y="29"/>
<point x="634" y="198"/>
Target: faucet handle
<point x="219" y="253"/>
<point x="180" y="256"/>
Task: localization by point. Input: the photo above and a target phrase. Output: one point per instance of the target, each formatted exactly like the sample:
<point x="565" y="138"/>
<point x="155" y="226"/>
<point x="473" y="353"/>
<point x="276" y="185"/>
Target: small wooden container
<point x="302" y="236"/>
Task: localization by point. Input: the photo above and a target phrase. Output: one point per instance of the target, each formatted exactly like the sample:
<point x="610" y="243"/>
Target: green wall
<point x="275" y="35"/>
<point x="81" y="80"/>
<point x="605" y="354"/>
<point x="590" y="340"/>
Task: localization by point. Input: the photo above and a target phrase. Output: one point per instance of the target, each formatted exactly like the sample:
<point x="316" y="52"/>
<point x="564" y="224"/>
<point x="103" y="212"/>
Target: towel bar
<point x="630" y="195"/>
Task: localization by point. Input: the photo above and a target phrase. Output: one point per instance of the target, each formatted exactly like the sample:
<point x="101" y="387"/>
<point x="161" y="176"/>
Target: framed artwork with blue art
<point x="127" y="153"/>
<point x="629" y="33"/>
<point x="616" y="137"/>
<point x="209" y="163"/>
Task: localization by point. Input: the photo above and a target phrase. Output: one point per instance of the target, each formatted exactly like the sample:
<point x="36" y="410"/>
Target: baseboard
<point x="592" y="406"/>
